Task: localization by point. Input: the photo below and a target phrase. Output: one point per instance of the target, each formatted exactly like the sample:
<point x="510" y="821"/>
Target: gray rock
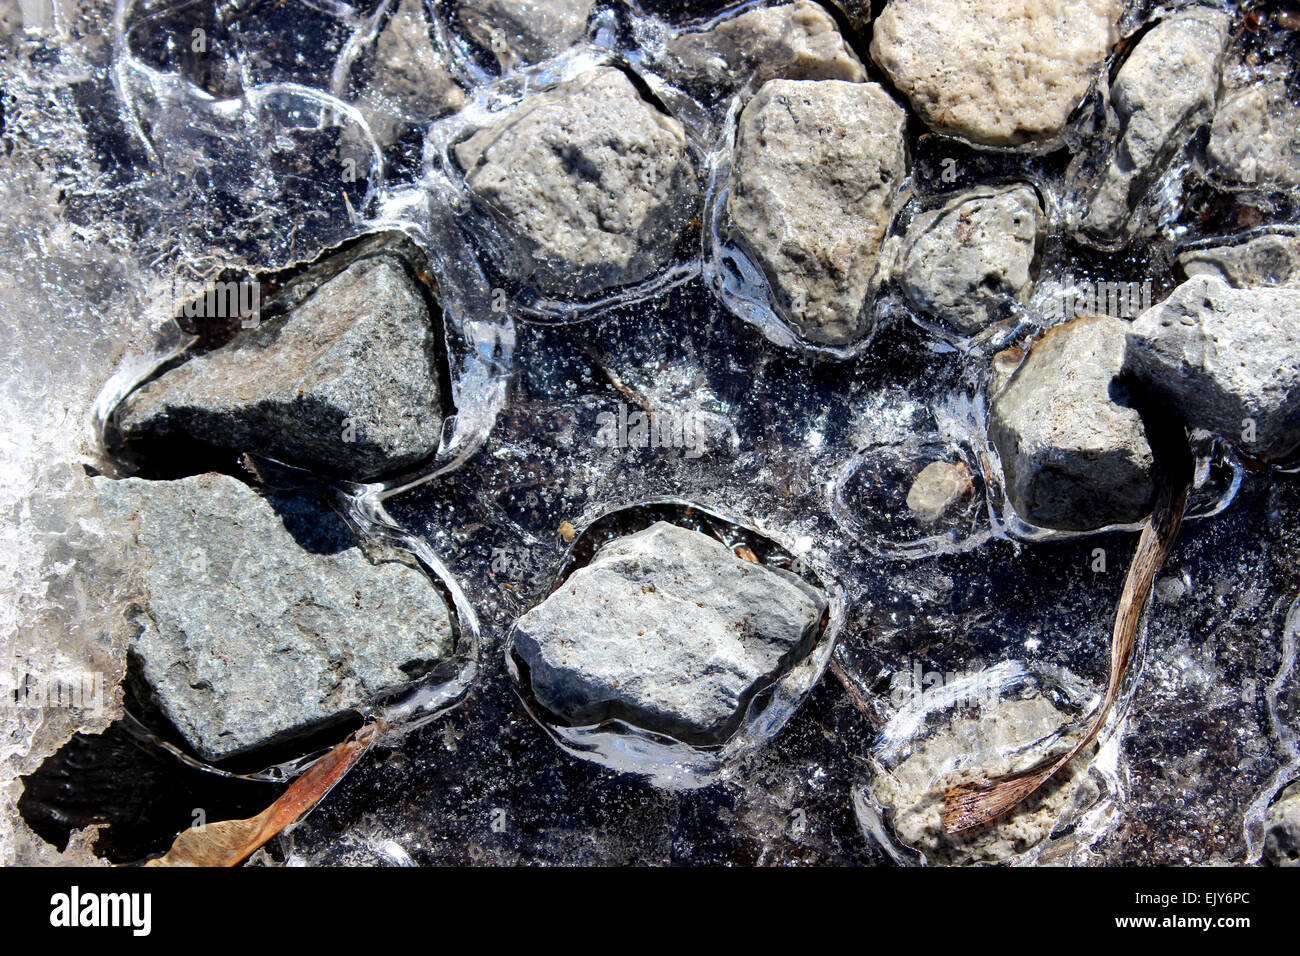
<point x="939" y="490"/>
<point x="590" y="184"/>
<point x="1282" y="830"/>
<point x="816" y="178"/>
<point x="1255" y="139"/>
<point x="999" y="72"/>
<point x="1270" y="260"/>
<point x="790" y="41"/>
<point x="1074" y="456"/>
<point x="347" y="381"/>
<point x="520" y="32"/>
<point x="263" y="616"/>
<point x="1166" y="89"/>
<point x="1227" y="360"/>
<point x="668" y="630"/>
<point x="964" y="262"/>
<point x="410" y="85"/>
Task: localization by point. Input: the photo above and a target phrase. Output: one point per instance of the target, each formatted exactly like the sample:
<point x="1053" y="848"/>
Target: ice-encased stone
<point x="409" y="85"/>
<point x="1074" y="456"/>
<point x="940" y="489"/>
<point x="975" y="748"/>
<point x="961" y="262"/>
<point x="999" y="72"/>
<point x="264" y="616"/>
<point x="1272" y="259"/>
<point x="790" y="41"/>
<point x="1227" y="360"/>
<point x="347" y="381"/>
<point x="525" y="31"/>
<point x="1282" y="830"/>
<point x="589" y="183"/>
<point x="668" y="630"/>
<point x="816" y="177"/>
<point x="1165" y="90"/>
<point x="1255" y="139"/>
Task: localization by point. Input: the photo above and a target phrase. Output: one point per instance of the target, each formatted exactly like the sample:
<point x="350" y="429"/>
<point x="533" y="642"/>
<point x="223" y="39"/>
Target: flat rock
<point x="591" y="185"/>
<point x="347" y="381"/>
<point x="1165" y="90"/>
<point x="939" y="490"/>
<point x="668" y="630"/>
<point x="409" y="84"/>
<point x="1074" y="456"/>
<point x="815" y="181"/>
<point x="998" y="72"/>
<point x="790" y="41"/>
<point x="525" y="31"/>
<point x="264" y="616"/>
<point x="1255" y="139"/>
<point x="1267" y="260"/>
<point x="1227" y="360"/>
<point x="964" y="262"/>
<point x="1282" y="830"/>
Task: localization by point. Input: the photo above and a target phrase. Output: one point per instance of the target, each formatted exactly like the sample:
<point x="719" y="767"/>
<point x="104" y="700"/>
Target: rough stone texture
<point x="1282" y="833"/>
<point x="940" y="489"/>
<point x="669" y="630"/>
<point x="792" y="41"/>
<point x="1000" y="72"/>
<point x="1255" y="139"/>
<point x="1227" y="360"/>
<point x="410" y="84"/>
<point x="347" y="381"/>
<point x="1272" y="260"/>
<point x="913" y="792"/>
<point x="525" y="31"/>
<point x="816" y="176"/>
<point x="590" y="183"/>
<point x="264" y="616"/>
<point x="1165" y="90"/>
<point x="962" y="262"/>
<point x="1073" y="456"/>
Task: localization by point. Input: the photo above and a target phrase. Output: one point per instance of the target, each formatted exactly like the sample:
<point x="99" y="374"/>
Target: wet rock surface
<point x="265" y="616"/>
<point x="816" y="177"/>
<point x="590" y="183"/>
<point x="1261" y="261"/>
<point x="1227" y="360"/>
<point x="347" y="381"/>
<point x="913" y="792"/>
<point x="1255" y="139"/>
<point x="791" y="41"/>
<point x="964" y="262"/>
<point x="939" y="490"/>
<point x="1166" y="88"/>
<point x="1001" y="72"/>
<point x="667" y="629"/>
<point x="1074" y="455"/>
<point x="525" y="31"/>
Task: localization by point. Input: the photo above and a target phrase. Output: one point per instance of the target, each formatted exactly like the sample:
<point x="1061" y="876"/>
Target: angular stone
<point x="963" y="263"/>
<point x="1270" y="260"/>
<point x="591" y="185"/>
<point x="525" y="31"/>
<point x="1227" y="360"/>
<point x="264" y="616"/>
<point x="1164" y="91"/>
<point x="347" y="381"/>
<point x="668" y="630"/>
<point x="817" y="171"/>
<point x="1282" y="830"/>
<point x="790" y="41"/>
<point x="939" y="490"/>
<point x="410" y="84"/>
<point x="1074" y="456"/>
<point x="1255" y="139"/>
<point x="999" y="72"/>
